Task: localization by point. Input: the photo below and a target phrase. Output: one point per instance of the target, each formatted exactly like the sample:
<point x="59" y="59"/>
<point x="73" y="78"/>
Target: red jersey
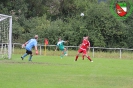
<point x="85" y="44"/>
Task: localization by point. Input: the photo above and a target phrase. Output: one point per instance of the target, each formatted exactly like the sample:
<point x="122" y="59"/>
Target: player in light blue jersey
<point x="28" y="46"/>
<point x="60" y="45"/>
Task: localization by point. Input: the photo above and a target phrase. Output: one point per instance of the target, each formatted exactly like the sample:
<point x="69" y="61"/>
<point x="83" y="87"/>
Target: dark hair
<point x="59" y="38"/>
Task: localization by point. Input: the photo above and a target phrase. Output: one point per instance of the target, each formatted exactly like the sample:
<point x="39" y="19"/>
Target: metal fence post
<point x="40" y="49"/>
<point x="120" y="53"/>
<point x="93" y="52"/>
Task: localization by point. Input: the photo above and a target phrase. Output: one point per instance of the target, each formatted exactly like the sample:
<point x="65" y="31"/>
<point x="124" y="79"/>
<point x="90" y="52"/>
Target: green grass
<point x="53" y="72"/>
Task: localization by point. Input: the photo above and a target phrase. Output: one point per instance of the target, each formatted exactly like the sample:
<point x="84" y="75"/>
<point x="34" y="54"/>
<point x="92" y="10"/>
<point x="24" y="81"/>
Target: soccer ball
<point x="82" y="14"/>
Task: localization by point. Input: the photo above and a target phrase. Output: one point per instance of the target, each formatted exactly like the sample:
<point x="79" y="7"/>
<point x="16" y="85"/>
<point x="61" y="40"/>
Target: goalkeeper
<point x="28" y="46"/>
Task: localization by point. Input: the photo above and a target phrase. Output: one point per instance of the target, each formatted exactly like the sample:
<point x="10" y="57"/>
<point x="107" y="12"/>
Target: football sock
<point x="89" y="58"/>
<point x="76" y="58"/>
<point x="62" y="55"/>
<point x="83" y="57"/>
<point x="64" y="52"/>
<point x="24" y="55"/>
<point x="30" y="57"/>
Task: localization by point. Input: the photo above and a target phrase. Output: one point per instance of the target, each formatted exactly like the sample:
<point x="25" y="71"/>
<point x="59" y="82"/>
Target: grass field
<point x="53" y="72"/>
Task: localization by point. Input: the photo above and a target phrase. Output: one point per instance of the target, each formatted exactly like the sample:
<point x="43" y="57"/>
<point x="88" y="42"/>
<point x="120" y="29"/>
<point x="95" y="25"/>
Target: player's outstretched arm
<point x="23" y="45"/>
<point x="26" y="43"/>
<point x="66" y="41"/>
<point x="88" y="49"/>
<point x="56" y="48"/>
<point x="36" y="50"/>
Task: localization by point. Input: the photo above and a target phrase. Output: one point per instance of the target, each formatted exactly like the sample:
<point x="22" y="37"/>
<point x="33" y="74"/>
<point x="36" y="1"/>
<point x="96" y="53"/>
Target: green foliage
<point x="17" y="31"/>
<point x="61" y="18"/>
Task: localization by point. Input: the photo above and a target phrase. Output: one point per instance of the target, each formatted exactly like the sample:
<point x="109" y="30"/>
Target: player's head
<point x="87" y="37"/>
<point x="59" y="39"/>
<point x="84" y="37"/>
<point x="36" y="36"/>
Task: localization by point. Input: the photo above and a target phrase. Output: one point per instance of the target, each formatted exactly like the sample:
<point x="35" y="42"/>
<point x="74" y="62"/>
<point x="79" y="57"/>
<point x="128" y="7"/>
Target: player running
<point x="61" y="47"/>
<point x="28" y="46"/>
<point x="84" y="47"/>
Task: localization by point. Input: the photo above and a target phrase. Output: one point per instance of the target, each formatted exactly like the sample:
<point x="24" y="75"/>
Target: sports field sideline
<point x="53" y="72"/>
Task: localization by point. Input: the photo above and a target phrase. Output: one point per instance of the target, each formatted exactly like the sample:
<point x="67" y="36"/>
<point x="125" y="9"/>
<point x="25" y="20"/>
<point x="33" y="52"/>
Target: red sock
<point x="76" y="58"/>
<point x="83" y="57"/>
<point x="89" y="58"/>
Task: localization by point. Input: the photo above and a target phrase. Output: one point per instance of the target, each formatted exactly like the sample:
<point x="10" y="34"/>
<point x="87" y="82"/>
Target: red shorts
<point x="82" y="51"/>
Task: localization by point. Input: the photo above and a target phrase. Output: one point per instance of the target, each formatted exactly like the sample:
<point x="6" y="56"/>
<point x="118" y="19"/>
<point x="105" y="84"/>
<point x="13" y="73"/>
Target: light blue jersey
<point x="31" y="43"/>
<point x="60" y="45"/>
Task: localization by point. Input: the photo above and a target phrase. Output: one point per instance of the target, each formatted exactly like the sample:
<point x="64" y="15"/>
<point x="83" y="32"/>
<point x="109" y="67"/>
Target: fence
<point x="95" y="52"/>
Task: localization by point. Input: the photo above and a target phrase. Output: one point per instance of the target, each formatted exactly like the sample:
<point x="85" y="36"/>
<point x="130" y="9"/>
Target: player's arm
<point x="26" y="43"/>
<point x="56" y="48"/>
<point x="66" y="41"/>
<point x="23" y="45"/>
<point x="35" y="45"/>
<point x="36" y="50"/>
<point x="80" y="45"/>
<point x="88" y="49"/>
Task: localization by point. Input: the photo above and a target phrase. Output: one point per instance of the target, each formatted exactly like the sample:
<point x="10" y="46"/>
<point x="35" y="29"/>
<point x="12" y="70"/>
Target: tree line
<point x="61" y="18"/>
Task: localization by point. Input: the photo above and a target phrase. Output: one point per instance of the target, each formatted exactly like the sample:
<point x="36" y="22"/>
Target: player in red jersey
<point x="84" y="47"/>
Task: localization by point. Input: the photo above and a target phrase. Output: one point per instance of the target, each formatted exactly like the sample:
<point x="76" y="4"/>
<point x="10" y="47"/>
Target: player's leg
<point x="77" y="56"/>
<point x="24" y="55"/>
<point x="63" y="52"/>
<point x="30" y="57"/>
<point x="79" y="51"/>
<point x="88" y="58"/>
<point x="83" y="57"/>
<point x="85" y="54"/>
